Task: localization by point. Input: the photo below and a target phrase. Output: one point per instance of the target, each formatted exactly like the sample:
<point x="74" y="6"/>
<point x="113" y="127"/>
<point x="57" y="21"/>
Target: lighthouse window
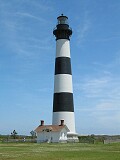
<point x="62" y="20"/>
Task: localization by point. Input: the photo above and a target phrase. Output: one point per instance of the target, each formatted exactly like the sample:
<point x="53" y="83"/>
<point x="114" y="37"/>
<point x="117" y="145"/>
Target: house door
<point x="47" y="136"/>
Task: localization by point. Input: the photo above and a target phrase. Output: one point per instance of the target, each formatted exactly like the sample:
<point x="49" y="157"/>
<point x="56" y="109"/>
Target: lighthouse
<point x="63" y="104"/>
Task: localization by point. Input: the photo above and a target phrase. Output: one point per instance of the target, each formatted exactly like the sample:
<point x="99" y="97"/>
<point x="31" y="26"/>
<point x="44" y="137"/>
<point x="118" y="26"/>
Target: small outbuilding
<point x="52" y="133"/>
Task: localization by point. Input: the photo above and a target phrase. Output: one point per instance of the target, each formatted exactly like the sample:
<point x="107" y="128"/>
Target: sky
<point x="27" y="57"/>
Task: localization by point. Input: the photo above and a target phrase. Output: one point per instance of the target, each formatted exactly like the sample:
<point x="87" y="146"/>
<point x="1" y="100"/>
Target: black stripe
<point x="63" y="102"/>
<point x="62" y="31"/>
<point x="63" y="65"/>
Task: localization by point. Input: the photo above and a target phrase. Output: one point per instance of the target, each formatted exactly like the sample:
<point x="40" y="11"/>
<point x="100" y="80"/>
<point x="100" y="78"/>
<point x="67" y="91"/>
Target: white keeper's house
<point x="51" y="133"/>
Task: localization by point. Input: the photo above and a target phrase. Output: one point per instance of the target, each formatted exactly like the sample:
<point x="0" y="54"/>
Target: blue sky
<point x="27" y="55"/>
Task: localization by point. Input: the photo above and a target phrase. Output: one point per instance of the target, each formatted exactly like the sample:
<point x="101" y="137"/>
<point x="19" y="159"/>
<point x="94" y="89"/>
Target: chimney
<point x="42" y="123"/>
<point x="62" y="122"/>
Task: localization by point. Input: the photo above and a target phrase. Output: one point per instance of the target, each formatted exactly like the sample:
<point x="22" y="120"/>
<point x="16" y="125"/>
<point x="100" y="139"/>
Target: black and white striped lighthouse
<point x="63" y="105"/>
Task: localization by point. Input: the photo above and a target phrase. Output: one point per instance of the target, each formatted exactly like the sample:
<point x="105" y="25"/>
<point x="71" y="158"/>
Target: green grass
<point x="70" y="151"/>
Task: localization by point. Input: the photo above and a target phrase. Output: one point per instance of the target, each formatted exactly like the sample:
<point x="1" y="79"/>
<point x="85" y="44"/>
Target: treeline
<point x="14" y="135"/>
<point x="17" y="138"/>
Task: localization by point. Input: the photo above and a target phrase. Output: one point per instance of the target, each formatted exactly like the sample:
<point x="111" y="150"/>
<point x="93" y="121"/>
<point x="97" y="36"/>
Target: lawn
<point x="69" y="151"/>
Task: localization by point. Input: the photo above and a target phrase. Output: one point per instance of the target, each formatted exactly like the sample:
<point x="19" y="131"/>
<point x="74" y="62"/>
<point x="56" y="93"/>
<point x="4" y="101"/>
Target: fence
<point x="108" y="141"/>
<point x="19" y="140"/>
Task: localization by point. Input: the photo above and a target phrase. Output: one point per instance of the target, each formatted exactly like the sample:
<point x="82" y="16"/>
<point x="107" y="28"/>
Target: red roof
<point x="53" y="128"/>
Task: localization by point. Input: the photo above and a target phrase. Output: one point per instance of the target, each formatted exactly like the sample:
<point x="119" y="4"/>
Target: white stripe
<point x="63" y="48"/>
<point x="63" y="83"/>
<point x="68" y="118"/>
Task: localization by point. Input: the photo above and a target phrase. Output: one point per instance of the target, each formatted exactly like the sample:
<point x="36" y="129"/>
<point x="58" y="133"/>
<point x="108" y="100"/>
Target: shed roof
<point x="53" y="128"/>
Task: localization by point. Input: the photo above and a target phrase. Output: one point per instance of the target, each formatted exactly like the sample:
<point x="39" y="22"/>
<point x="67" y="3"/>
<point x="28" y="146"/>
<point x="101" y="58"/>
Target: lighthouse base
<point x="72" y="137"/>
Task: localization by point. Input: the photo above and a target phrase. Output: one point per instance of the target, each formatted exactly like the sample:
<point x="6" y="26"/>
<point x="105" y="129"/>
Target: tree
<point x="13" y="134"/>
<point x="33" y="134"/>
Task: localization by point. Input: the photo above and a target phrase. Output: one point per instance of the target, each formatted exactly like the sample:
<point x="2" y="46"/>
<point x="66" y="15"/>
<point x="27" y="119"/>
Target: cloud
<point x="103" y="82"/>
<point x="28" y="15"/>
<point x="101" y="89"/>
<point x="94" y="86"/>
<point x="18" y="32"/>
<point x="108" y="106"/>
<point x="98" y="98"/>
<point x="107" y="113"/>
<point x="106" y="39"/>
<point x="83" y="29"/>
<point x="104" y="117"/>
<point x="44" y="6"/>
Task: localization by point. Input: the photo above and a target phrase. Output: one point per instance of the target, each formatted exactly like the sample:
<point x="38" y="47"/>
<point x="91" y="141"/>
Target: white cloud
<point x="109" y="38"/>
<point x="28" y="15"/>
<point x="107" y="114"/>
<point x="104" y="117"/>
<point x="94" y="87"/>
<point x="83" y="29"/>
<point x="108" y="106"/>
<point x="99" y="99"/>
<point x="44" y="6"/>
<point x="19" y="35"/>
